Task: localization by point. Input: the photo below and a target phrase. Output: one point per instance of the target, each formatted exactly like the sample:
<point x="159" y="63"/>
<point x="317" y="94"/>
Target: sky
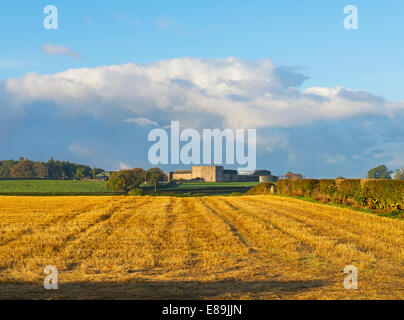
<point x="326" y="101"/>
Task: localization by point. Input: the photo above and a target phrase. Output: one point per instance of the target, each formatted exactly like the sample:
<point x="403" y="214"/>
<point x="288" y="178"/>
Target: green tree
<point x="125" y="180"/>
<point x="93" y="172"/>
<point x="121" y="184"/>
<point x="399" y="174"/>
<point x="80" y="173"/>
<point x="140" y="175"/>
<point x="51" y="168"/>
<point x="66" y="170"/>
<point x="154" y="175"/>
<point x="5" y="167"/>
<point x="40" y="170"/>
<point x="380" y="172"/>
<point x="25" y="168"/>
<point x="4" y="171"/>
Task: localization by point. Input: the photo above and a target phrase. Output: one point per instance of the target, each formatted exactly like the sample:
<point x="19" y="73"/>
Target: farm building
<point x="214" y="173"/>
<point x="105" y="175"/>
<point x="292" y="176"/>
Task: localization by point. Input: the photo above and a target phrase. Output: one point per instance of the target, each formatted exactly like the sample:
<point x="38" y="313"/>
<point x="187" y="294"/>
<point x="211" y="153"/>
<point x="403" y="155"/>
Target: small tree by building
<point x="154" y="175"/>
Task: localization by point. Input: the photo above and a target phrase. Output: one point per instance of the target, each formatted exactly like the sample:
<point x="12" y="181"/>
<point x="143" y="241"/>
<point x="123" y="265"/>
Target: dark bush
<point x="348" y="191"/>
<point x="282" y="186"/>
<point x="383" y="194"/>
<point x="125" y="180"/>
<point x="374" y="194"/>
<point x="305" y="187"/>
<point x="262" y="188"/>
<point x="136" y="192"/>
<point x="326" y="190"/>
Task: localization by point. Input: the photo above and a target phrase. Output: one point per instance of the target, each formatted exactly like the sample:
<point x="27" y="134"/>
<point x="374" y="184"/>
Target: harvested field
<point x="249" y="247"/>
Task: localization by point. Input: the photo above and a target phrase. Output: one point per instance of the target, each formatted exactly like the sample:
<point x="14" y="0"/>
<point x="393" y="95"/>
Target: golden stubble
<point x="250" y="247"/>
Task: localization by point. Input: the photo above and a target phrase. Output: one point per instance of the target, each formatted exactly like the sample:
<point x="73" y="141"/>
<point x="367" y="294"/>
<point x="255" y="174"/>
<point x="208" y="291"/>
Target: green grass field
<point x="201" y="188"/>
<point x="69" y="187"/>
<point x="207" y="185"/>
<point x="52" y="186"/>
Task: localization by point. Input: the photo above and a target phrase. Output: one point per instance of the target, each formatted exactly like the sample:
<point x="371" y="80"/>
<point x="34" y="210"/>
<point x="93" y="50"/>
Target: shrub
<point x="348" y="190"/>
<point x="282" y="186"/>
<point x="185" y="194"/>
<point x="326" y="189"/>
<point x="383" y="194"/>
<point x="125" y="180"/>
<point x="374" y="194"/>
<point x="307" y="187"/>
<point x="304" y="187"/>
<point x="136" y="192"/>
<point x="262" y="188"/>
<point x="293" y="187"/>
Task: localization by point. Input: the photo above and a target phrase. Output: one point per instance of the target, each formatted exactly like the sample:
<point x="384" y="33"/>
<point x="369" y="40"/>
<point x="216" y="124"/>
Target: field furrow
<point x="380" y="244"/>
<point x="250" y="247"/>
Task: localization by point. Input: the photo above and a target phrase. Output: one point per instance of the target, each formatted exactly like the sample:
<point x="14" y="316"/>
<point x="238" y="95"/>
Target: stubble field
<point x="249" y="247"/>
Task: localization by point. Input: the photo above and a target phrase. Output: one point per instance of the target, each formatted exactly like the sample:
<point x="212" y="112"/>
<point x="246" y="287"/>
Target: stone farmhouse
<point x="215" y="173"/>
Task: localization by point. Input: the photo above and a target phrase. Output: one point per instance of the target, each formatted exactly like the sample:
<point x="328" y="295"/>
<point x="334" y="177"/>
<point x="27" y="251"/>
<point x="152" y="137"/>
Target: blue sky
<point x="302" y="38"/>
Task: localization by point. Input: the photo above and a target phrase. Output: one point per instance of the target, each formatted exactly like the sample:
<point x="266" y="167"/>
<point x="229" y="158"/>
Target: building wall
<point x="182" y="176"/>
<point x="229" y="177"/>
<point x="208" y="173"/>
<point x="269" y="178"/>
<point x="170" y="176"/>
<point x="246" y="178"/>
<point x="218" y="174"/>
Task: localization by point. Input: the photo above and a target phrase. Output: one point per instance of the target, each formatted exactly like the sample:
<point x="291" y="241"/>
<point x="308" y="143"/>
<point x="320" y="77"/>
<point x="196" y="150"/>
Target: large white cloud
<point x="235" y="92"/>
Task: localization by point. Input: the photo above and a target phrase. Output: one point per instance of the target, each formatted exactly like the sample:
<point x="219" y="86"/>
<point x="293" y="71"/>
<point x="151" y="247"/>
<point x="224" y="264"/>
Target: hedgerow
<point x="372" y="194"/>
<point x="262" y="188"/>
<point x="304" y="187"/>
<point x="348" y="191"/>
<point x="282" y="186"/>
<point x="326" y="190"/>
<point x="383" y="194"/>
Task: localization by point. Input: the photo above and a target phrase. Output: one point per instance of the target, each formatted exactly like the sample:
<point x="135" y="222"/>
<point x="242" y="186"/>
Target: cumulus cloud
<point x="334" y="159"/>
<point x="122" y="166"/>
<point x="391" y="153"/>
<point x="80" y="150"/>
<point x="141" y="121"/>
<point x="52" y="49"/>
<point x="134" y="22"/>
<point x="230" y="91"/>
<point x="164" y="23"/>
<point x="272" y="141"/>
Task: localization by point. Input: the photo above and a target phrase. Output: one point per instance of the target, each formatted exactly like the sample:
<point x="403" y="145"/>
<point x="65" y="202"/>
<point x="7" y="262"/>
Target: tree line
<point x="382" y="172"/>
<point x="131" y="179"/>
<point x="52" y="169"/>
